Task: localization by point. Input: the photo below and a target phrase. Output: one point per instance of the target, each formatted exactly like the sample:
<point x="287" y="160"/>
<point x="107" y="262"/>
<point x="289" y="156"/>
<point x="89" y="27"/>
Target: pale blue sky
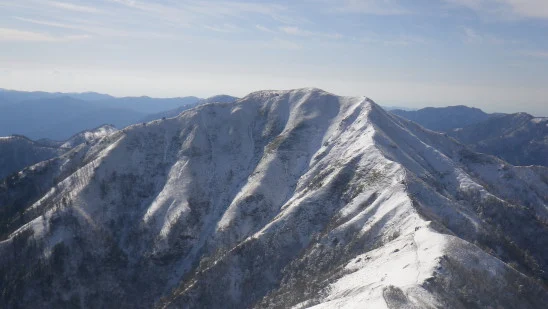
<point x="492" y="54"/>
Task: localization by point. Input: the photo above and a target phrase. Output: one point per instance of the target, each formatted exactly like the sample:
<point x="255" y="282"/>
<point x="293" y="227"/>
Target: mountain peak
<point x="283" y="199"/>
<point x="89" y="136"/>
<point x="298" y="91"/>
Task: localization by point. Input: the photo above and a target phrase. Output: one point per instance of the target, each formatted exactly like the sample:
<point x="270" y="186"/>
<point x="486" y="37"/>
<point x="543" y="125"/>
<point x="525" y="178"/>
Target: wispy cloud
<point x="505" y="9"/>
<point x="96" y="30"/>
<point x="12" y="35"/>
<point x="73" y="7"/>
<point x="282" y="44"/>
<point x="472" y="36"/>
<point x="401" y="40"/>
<point x="369" y="7"/>
<point x="47" y="23"/>
<point x="193" y="10"/>
<point x="264" y="29"/>
<point x="224" y="28"/>
<point x="296" y="31"/>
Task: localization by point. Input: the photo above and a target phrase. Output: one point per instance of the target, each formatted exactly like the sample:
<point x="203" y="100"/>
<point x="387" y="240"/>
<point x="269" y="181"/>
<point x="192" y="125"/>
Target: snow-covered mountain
<point x="520" y="139"/>
<point x="283" y="199"/>
<point x="18" y="152"/>
<point x="89" y="136"/>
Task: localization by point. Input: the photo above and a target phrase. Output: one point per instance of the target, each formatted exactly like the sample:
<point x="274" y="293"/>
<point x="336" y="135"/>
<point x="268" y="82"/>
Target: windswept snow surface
<point x="283" y="199"/>
<point x="89" y="136"/>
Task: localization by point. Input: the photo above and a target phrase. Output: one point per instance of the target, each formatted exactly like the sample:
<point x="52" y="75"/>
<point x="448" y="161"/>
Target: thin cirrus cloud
<point x="224" y="28"/>
<point x="264" y="29"/>
<point x="98" y="31"/>
<point x="296" y="31"/>
<point x="505" y="9"/>
<point x="47" y="23"/>
<point x="282" y="44"/>
<point x="368" y="7"/>
<point x="472" y="36"/>
<point x="192" y="9"/>
<point x="72" y="7"/>
<point x="337" y="44"/>
<point x="13" y="35"/>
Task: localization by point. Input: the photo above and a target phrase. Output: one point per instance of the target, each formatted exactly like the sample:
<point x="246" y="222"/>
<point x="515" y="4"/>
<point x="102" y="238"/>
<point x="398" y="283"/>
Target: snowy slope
<point x="23" y="188"/>
<point x="18" y="152"/>
<point x="283" y="199"/>
<point x="89" y="136"/>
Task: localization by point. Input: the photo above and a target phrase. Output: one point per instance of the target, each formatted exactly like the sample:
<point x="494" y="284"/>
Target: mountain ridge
<point x="285" y="199"/>
<point x="518" y="138"/>
<point x="61" y="115"/>
<point x="444" y="118"/>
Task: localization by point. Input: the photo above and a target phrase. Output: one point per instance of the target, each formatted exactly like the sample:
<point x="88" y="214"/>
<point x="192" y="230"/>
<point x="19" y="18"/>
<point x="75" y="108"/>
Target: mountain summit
<point x="283" y="199"/>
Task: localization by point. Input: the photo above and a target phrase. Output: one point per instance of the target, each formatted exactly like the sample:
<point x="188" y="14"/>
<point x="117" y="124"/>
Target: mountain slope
<point x="520" y="139"/>
<point x="283" y="199"/>
<point x="89" y="136"/>
<point x="444" y="118"/>
<point x="18" y="152"/>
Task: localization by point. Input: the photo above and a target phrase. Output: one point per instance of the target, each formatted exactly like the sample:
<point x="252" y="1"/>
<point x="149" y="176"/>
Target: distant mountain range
<point x="444" y="118"/>
<point x="176" y="111"/>
<point x="58" y="116"/>
<point x="520" y="139"/>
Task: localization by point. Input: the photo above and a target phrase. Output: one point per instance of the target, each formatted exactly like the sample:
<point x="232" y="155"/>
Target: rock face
<point x="284" y="199"/>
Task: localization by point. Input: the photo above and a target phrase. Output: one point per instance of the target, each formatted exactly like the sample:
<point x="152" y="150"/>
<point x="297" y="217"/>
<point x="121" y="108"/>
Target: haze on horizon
<point x="491" y="54"/>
